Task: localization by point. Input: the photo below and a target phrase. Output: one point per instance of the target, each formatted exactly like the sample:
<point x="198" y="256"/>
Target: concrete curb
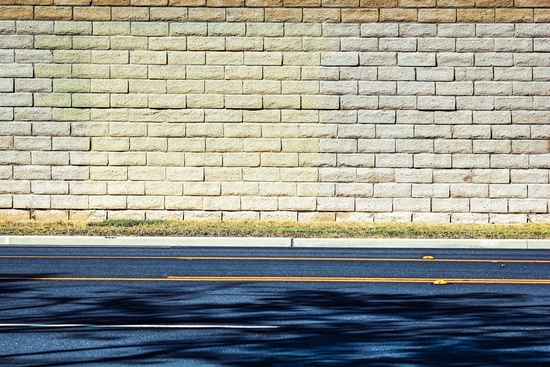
<point x="411" y="243"/>
<point x="75" y="241"/>
<point x="144" y="241"/>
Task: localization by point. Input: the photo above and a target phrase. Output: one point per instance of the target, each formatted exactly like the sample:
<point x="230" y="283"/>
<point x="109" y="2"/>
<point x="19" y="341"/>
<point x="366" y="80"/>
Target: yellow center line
<point x="293" y="279"/>
<point x="267" y="258"/>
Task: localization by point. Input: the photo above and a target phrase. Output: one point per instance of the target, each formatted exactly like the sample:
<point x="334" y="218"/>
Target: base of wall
<point x="401" y="217"/>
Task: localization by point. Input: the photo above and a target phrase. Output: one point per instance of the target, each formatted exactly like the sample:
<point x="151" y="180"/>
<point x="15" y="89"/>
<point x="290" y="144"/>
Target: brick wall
<point x="371" y="110"/>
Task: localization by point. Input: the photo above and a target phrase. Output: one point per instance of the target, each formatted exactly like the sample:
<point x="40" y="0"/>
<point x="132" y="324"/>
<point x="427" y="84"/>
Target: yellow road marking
<point x="267" y="258"/>
<point x="293" y="279"/>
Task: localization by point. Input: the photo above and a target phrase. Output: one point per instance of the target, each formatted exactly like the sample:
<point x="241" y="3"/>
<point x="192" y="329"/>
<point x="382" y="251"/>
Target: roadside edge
<point x="93" y="241"/>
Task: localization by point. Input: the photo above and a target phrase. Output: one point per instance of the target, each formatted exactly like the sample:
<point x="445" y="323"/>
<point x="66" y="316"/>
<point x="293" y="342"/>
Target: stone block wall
<point x="363" y="110"/>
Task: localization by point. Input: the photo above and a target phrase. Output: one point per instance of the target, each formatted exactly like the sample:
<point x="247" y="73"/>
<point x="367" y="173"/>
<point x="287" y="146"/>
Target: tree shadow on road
<point x="313" y="325"/>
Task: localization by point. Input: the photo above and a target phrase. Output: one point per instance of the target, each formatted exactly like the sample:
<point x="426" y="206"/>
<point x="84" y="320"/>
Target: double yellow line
<point x="251" y="279"/>
<point x="287" y="278"/>
<point x="267" y="258"/>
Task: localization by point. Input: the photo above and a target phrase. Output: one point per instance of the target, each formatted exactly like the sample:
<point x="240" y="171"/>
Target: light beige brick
<point x="277" y="189"/>
<point x="261" y="174"/>
<point x="50" y="158"/>
<point x="72" y="56"/>
<point x="15" y="187"/>
<point x="31" y="143"/>
<point x="205" y="101"/>
<point x="125" y="188"/>
<point x="90" y="42"/>
<point x="240" y="188"/>
<point x="205" y="43"/>
<point x="117" y="129"/>
<point x="279" y="159"/>
<point x="297" y="203"/>
<point x="70" y="173"/>
<point x="167" y="43"/>
<point x="49" y="187"/>
<point x="163" y="215"/>
<point x="202" y="188"/>
<point x="107" y="202"/>
<point x="529" y="176"/>
<point x="84" y="100"/>
<point x="279" y="215"/>
<point x="15" y="157"/>
<point x="261" y="87"/>
<point x="204" y="130"/>
<point x="303" y="116"/>
<point x="470" y="160"/>
<point x="187" y="58"/>
<point x="341" y="174"/>
<point x="31" y="173"/>
<point x="242" y="130"/>
<point x="259" y="203"/>
<point x="508" y="191"/>
<point x="249" y="102"/>
<point x="31" y="202"/>
<point x="71" y="143"/>
<point x="5" y="202"/>
<point x="482" y="205"/>
<point x="127" y="100"/>
<point x="127" y="159"/>
<point x="340" y="204"/>
<point x="108" y="173"/>
<point x="222" y="203"/>
<point x="374" y="205"/>
<point x="184" y="203"/>
<point x="317" y="160"/>
<point x="241" y="159"/>
<point x="148" y="57"/>
<point x="109" y="57"/>
<point x="147" y="115"/>
<point x="88" y="188"/>
<point x="147" y="86"/>
<point x="149" y="28"/>
<point x="145" y="202"/>
<point x="128" y="43"/>
<point x="281" y="102"/>
<point x="52" y="99"/>
<point x="48" y="42"/>
<point x="280" y="130"/>
<point x="411" y="204"/>
<point x="146" y="173"/>
<point x="282" y="73"/>
<point x="158" y="101"/>
<point x="204" y="159"/>
<point x="491" y="176"/>
<point x="70" y="86"/>
<point x="126" y="215"/>
<point x="243" y="73"/>
<point x="88" y="159"/>
<point x="123" y="72"/>
<point x="110" y="144"/>
<point x="392" y="190"/>
<point x="470" y="190"/>
<point x="223" y="174"/>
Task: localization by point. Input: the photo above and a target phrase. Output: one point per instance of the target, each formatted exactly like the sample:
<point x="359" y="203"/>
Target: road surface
<point x="66" y="306"/>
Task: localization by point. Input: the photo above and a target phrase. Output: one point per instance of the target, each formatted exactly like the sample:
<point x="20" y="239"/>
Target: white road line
<point x="138" y="326"/>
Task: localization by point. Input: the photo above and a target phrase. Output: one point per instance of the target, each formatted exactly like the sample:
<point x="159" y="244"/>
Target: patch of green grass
<point x="157" y="228"/>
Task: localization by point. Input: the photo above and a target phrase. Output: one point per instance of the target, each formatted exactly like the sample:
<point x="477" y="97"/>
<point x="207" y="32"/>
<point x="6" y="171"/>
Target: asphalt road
<point x="273" y="307"/>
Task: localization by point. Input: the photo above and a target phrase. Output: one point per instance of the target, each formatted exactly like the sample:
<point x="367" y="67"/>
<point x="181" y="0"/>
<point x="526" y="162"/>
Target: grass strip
<point x="157" y="228"/>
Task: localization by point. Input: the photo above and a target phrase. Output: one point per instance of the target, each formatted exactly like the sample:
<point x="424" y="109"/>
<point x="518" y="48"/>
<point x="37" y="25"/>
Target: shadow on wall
<point x="316" y="325"/>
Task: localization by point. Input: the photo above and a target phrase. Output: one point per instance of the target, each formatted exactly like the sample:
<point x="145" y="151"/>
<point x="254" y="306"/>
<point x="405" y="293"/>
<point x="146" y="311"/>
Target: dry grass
<point x="275" y="229"/>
